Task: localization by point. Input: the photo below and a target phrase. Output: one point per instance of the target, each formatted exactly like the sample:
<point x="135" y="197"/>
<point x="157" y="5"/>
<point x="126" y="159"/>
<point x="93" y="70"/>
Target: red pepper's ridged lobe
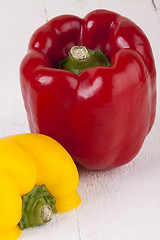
<point x="103" y="115"/>
<point x="56" y="37"/>
<point x="49" y="93"/>
<point x="113" y="110"/>
<point x="112" y="32"/>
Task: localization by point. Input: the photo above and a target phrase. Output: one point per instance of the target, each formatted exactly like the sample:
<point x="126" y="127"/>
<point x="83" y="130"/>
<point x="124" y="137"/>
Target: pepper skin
<point x="102" y="115"/>
<point x="29" y="160"/>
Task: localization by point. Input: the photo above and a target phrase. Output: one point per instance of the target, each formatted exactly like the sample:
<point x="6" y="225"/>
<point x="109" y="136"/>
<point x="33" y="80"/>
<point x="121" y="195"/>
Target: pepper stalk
<point x="80" y="58"/>
<point x="37" y="207"/>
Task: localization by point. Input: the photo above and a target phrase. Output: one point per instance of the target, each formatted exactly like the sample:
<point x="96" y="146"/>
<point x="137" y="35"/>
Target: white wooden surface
<point x="121" y="204"/>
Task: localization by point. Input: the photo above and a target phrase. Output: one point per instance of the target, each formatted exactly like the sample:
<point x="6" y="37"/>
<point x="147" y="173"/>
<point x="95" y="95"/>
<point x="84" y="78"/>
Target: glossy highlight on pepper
<point x="102" y="115"/>
<point x="37" y="178"/>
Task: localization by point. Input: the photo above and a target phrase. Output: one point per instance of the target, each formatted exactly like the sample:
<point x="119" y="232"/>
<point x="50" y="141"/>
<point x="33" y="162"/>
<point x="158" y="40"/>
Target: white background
<point x="121" y="204"/>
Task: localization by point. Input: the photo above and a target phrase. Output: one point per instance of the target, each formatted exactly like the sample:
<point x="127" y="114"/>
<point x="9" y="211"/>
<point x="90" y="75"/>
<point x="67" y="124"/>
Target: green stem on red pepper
<point x="81" y="58"/>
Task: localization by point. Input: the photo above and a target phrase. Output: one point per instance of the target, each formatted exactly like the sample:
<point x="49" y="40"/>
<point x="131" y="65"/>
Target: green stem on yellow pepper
<point x="37" y="207"/>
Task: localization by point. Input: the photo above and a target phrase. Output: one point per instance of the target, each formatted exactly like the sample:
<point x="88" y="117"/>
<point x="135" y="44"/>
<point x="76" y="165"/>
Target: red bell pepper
<point x="103" y="114"/>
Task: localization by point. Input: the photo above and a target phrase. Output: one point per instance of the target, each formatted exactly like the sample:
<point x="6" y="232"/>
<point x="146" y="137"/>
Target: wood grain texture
<point x="121" y="204"/>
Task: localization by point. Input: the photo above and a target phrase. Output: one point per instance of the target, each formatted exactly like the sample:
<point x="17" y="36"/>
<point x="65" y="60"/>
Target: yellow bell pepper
<point x="34" y="168"/>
